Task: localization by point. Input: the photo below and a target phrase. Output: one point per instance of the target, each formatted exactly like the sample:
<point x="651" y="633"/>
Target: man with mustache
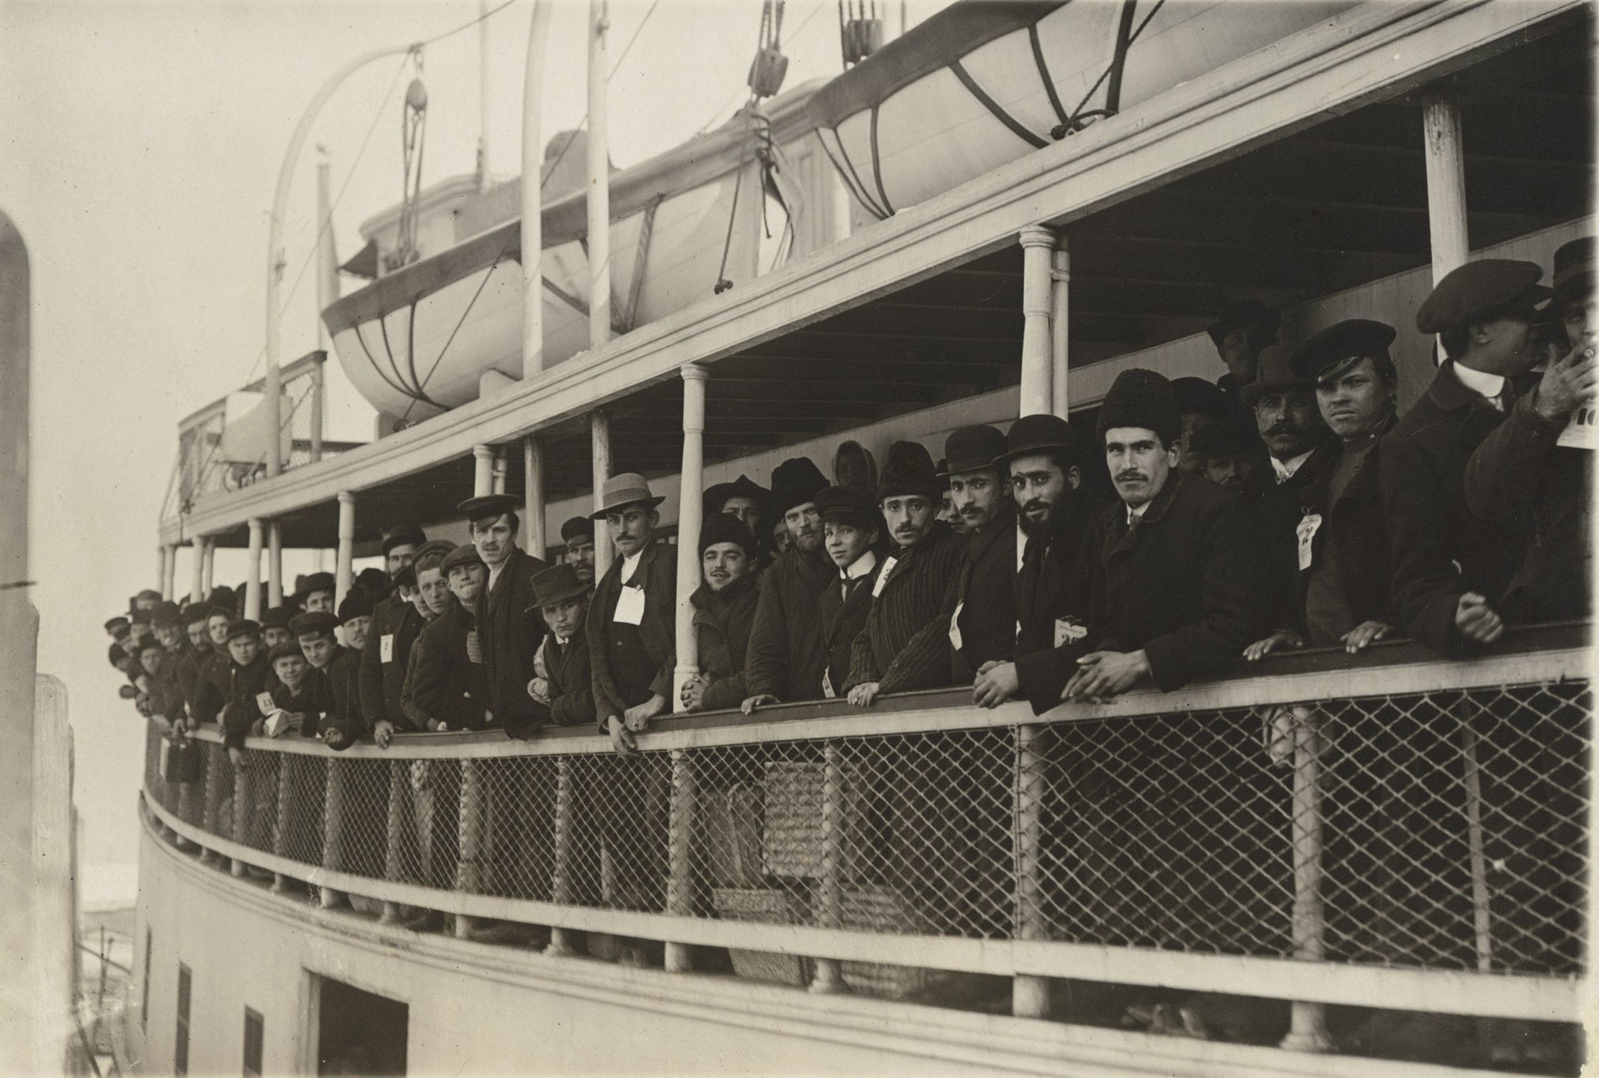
<point x="578" y="535"/>
<point x="724" y="611"/>
<point x="785" y="660"/>
<point x="508" y="635"/>
<point x="908" y="596"/>
<point x="396" y="622"/>
<point x="1451" y="569"/>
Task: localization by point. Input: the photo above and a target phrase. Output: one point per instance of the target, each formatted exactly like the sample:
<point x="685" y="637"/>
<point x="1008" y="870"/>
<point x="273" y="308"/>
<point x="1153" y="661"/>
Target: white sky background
<point x="139" y="146"/>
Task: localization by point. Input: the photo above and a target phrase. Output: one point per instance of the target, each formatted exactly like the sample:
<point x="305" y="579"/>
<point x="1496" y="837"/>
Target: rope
<point x="468" y="25"/>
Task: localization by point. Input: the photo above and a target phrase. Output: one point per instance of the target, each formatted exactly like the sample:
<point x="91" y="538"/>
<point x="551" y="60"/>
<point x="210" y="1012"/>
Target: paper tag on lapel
<point x="1069" y="631"/>
<point x="474" y="649"/>
<point x="955" y="627"/>
<point x="882" y="577"/>
<point x="630" y="606"/>
<point x="827" y="685"/>
<point x="386" y="648"/>
<point x="263" y="700"/>
<point x="1307" y="534"/>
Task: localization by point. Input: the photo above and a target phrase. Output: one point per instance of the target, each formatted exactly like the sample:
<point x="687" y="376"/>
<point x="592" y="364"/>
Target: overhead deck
<point x="1289" y="175"/>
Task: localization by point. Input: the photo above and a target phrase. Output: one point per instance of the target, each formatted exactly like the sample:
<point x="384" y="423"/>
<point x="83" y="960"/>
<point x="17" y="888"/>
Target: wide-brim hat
<point x="112" y="623"/>
<point x="166" y="612"/>
<point x="849" y="505"/>
<point x="402" y="534"/>
<point x="971" y="449"/>
<point x="726" y="528"/>
<point x="315" y="582"/>
<point x="909" y="470"/>
<point x="1229" y="437"/>
<point x="1353" y="338"/>
<point x="1574" y="273"/>
<point x="462" y="556"/>
<point x="1141" y="398"/>
<point x="1241" y="313"/>
<point x="576" y="526"/>
<point x="743" y="487"/>
<point x="319" y="621"/>
<point x="794" y="482"/>
<point x="629" y="488"/>
<point x="486" y="507"/>
<point x="196" y="612"/>
<point x="1274" y="375"/>
<point x="1481" y="291"/>
<point x="556" y="584"/>
<point x="1037" y="434"/>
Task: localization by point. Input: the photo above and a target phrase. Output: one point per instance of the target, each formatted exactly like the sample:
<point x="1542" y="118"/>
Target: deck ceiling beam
<point x="1336" y="66"/>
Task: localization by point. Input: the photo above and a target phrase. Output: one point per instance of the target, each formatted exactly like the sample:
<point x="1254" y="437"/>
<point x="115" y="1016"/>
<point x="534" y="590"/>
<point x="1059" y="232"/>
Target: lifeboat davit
<point x="984" y="82"/>
<point x="420" y="340"/>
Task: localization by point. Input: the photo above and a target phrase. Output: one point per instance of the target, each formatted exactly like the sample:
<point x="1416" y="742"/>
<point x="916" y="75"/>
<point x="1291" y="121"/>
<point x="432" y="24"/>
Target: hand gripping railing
<point x="1414" y="832"/>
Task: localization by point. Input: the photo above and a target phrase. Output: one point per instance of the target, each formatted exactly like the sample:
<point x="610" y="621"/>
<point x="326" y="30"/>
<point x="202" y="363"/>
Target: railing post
<point x="1029" y="994"/>
<point x="680" y="881"/>
<point x="830" y="892"/>
<point x="470" y="833"/>
<point x="689" y="511"/>
<point x="166" y="571"/>
<point x="344" y="567"/>
<point x="284" y="820"/>
<point x="533" y="496"/>
<point x="1059" y="325"/>
<point x="1445" y="157"/>
<point x="1479" y="862"/>
<point x="394" y="837"/>
<point x="333" y="829"/>
<point x="1038" y="245"/>
<point x="561" y="877"/>
<point x="274" y="564"/>
<point x="1307" y="1029"/>
<point x="600" y="445"/>
<point x="252" y="573"/>
<point x="211" y="818"/>
<point x="243" y="807"/>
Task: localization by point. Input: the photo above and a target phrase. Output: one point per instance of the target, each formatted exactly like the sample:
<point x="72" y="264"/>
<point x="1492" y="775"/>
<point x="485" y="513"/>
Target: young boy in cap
<point x="578" y="535"/>
<point x="854" y="535"/>
<point x="508" y="636"/>
<point x="1526" y="469"/>
<point x="1451" y="569"/>
<point x="566" y="688"/>
<point x="250" y="685"/>
<point x="301" y="696"/>
<point x="449" y="682"/>
<point x="315" y="595"/>
<point x="908" y="596"/>
<point x="316" y="634"/>
<point x="784" y="660"/>
<point x="344" y="725"/>
<point x="724" y="612"/>
<point x="396" y="622"/>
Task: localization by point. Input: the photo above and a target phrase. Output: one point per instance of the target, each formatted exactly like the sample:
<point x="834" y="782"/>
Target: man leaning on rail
<point x="396" y="621"/>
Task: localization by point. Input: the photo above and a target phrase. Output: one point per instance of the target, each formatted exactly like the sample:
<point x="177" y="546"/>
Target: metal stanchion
<point x="1029" y="994"/>
<point x="1307" y="1029"/>
<point x="394" y="839"/>
<point x="680" y="882"/>
<point x="830" y="892"/>
<point x="243" y="809"/>
<point x="333" y="829"/>
<point x="470" y="832"/>
<point x="561" y="879"/>
<point x="280" y="830"/>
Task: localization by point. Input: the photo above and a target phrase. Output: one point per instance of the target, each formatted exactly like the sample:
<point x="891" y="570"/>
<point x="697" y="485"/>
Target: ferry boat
<point x="917" y="888"/>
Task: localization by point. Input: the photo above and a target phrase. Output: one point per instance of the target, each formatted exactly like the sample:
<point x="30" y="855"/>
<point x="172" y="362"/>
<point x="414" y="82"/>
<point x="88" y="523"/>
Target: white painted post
<point x="689" y="510"/>
<point x="274" y="563"/>
<point x="344" y="573"/>
<point x="600" y="439"/>
<point x="252" y="573"/>
<point x="333" y="826"/>
<point x="197" y="570"/>
<point x="1307" y="1030"/>
<point x="498" y="471"/>
<point x="533" y="496"/>
<point x="1446" y="182"/>
<point x="1038" y="245"/>
<point x="599" y="174"/>
<point x="208" y="573"/>
<point x="482" y="470"/>
<point x="1059" y="322"/>
<point x="1029" y="995"/>
<point x="532" y="205"/>
<point x="680" y="881"/>
<point x="165" y="567"/>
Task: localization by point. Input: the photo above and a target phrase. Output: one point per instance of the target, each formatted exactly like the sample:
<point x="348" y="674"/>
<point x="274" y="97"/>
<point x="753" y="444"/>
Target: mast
<point x="327" y="256"/>
<point x="483" y="95"/>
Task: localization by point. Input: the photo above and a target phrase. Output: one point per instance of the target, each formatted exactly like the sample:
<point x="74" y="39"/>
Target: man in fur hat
<point x="784" y="660"/>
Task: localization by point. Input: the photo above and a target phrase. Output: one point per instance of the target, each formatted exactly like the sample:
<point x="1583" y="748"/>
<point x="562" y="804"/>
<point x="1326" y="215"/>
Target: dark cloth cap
<point x="112" y="623"/>
<point x="743" y="487"/>
<point x="243" y="627"/>
<point x="623" y="490"/>
<point x="115" y="654"/>
<point x="726" y="528"/>
<point x="166" y="612"/>
<point x="318" y="622"/>
<point x="464" y="555"/>
<point x="794" y="482"/>
<point x="432" y="552"/>
<point x="1244" y="312"/>
<point x="849" y="505"/>
<point x="288" y="647"/>
<point x="374" y="581"/>
<point x="1574" y="272"/>
<point x="316" y="582"/>
<point x="276" y="617"/>
<point x="405" y="578"/>
<point x="1275" y="375"/>
<point x="1198" y="395"/>
<point x="357" y="604"/>
<point x="556" y="584"/>
<point x="575" y="527"/>
<point x="223" y="596"/>
<point x="1229" y="437"/>
<point x="149" y="642"/>
<point x="1037" y="434"/>
<point x="400" y="535"/>
<point x="486" y="506"/>
<point x="970" y="449"/>
<point x="1353" y="338"/>
<point x="909" y="469"/>
<point x="1480" y="291"/>
<point x="197" y="612"/>
<point x="1141" y="398"/>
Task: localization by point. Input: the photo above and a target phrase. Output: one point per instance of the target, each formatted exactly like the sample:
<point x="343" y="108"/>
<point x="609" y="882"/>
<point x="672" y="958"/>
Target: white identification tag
<point x="277" y="724"/>
<point x="630" y="605"/>
<point x="263" y="700"/>
<point x="1307" y="532"/>
<point x="955" y="627"/>
<point x="474" y="649"/>
<point x="1582" y="432"/>
<point x="386" y="647"/>
<point x="1068" y="631"/>
<point x="882" y="577"/>
<point x="827" y="685"/>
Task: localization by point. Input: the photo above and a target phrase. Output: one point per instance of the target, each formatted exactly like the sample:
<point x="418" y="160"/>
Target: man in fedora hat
<point x="396" y="621"/>
<point x="578" y="535"/>
<point x="508" y="635"/>
<point x="908" y="596"/>
<point x="724" y="612"/>
<point x="1240" y="331"/>
<point x="784" y="660"/>
<point x="1451" y="569"/>
<point x="1525" y="468"/>
<point x="566" y="688"/>
<point x="315" y="592"/>
<point x="631" y="625"/>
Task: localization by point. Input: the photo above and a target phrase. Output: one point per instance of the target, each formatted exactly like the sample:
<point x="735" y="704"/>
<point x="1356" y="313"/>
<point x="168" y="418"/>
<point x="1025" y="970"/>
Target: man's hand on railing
<point x="1476" y="620"/>
<point x="539" y="689"/>
<point x="1103" y="674"/>
<point x="1281" y="640"/>
<point x="863" y="694"/>
<point x="1364" y="635"/>
<point x="759" y="700"/>
<point x="638" y="717"/>
<point x="692" y="696"/>
<point x="383" y="733"/>
<point x="236" y="756"/>
<point x="996" y="682"/>
<point x="622" y="739"/>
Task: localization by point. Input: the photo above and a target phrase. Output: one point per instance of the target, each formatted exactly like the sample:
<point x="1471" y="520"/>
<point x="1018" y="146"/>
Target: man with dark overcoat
<point x="449" y="681"/>
<point x="1241" y="330"/>
<point x="396" y="621"/>
<point x="724" y="612"/>
<point x="853" y="530"/>
<point x="566" y="688"/>
<point x="784" y="660"/>
<point x="344" y="725"/>
<point x="509" y="636"/>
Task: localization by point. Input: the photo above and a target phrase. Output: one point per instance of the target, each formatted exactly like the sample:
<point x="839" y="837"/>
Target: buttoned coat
<point x="842" y="621"/>
<point x="657" y="575"/>
<point x="344" y="677"/>
<point x="510" y="631"/>
<point x="382" y="681"/>
<point x="722" y="624"/>
<point x="445" y="683"/>
<point x="910" y="600"/>
<point x="243" y="709"/>
<point x="785" y="658"/>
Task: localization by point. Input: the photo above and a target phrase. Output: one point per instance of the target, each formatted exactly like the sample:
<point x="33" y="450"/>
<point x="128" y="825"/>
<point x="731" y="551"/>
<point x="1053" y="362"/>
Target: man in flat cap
<point x="449" y="682"/>
<point x="434" y="598"/>
<point x="908" y="595"/>
<point x="724" y="612"/>
<point x="396" y="622"/>
<point x="1239" y="333"/>
<point x="1530" y="468"/>
<point x="751" y="503"/>
<point x="508" y="633"/>
<point x="275" y="626"/>
<point x="344" y="723"/>
<point x="784" y="660"/>
<point x="853" y="530"/>
<point x="578" y="535"/>
<point x="1451" y="569"/>
<point x="250" y="685"/>
<point x="315" y="595"/>
<point x="566" y="688"/>
<point x="316" y="632"/>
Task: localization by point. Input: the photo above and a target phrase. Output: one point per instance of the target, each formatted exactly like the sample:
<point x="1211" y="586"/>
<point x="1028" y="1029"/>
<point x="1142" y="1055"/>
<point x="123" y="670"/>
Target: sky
<point x="140" y="141"/>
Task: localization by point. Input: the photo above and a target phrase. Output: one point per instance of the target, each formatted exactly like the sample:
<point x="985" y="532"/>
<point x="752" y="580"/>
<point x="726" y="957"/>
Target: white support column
<point x="164" y="553"/>
<point x="599" y="189"/>
<point x="274" y="564"/>
<point x="532" y="205"/>
<point x="197" y="587"/>
<point x="1446" y="182"/>
<point x="499" y="471"/>
<point x="344" y="575"/>
<point x="1059" y="321"/>
<point x="252" y="572"/>
<point x="533" y="496"/>
<point x="600" y="440"/>
<point x="170" y="586"/>
<point x="482" y="470"/>
<point x="1038" y="245"/>
<point x="208" y="571"/>
<point x="689" y="509"/>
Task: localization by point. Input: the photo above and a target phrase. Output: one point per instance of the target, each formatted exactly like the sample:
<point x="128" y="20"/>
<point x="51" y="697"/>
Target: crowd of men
<point x="1286" y="505"/>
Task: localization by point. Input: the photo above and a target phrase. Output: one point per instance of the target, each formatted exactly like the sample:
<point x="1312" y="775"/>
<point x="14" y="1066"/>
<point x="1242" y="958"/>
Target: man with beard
<point x="724" y="611"/>
<point x="853" y="531"/>
<point x="508" y="634"/>
<point x="1231" y="454"/>
<point x="1240" y="332"/>
<point x="750" y="503"/>
<point x="1340" y="544"/>
<point x="784" y="661"/>
<point x="1202" y="406"/>
<point x="909" y="593"/>
<point x="196" y="658"/>
<point x="1451" y="569"/>
<point x="578" y="535"/>
<point x="1053" y="511"/>
<point x="1524" y="469"/>
<point x="344" y="725"/>
<point x="396" y="621"/>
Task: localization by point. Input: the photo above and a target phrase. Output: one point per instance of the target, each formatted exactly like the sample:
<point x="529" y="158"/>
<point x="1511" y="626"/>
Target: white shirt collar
<point x="1021" y="547"/>
<point x="630" y="566"/>
<point x="1485" y="385"/>
<point x="1134" y="513"/>
<point x="860" y="566"/>
<point x="1285" y="469"/>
